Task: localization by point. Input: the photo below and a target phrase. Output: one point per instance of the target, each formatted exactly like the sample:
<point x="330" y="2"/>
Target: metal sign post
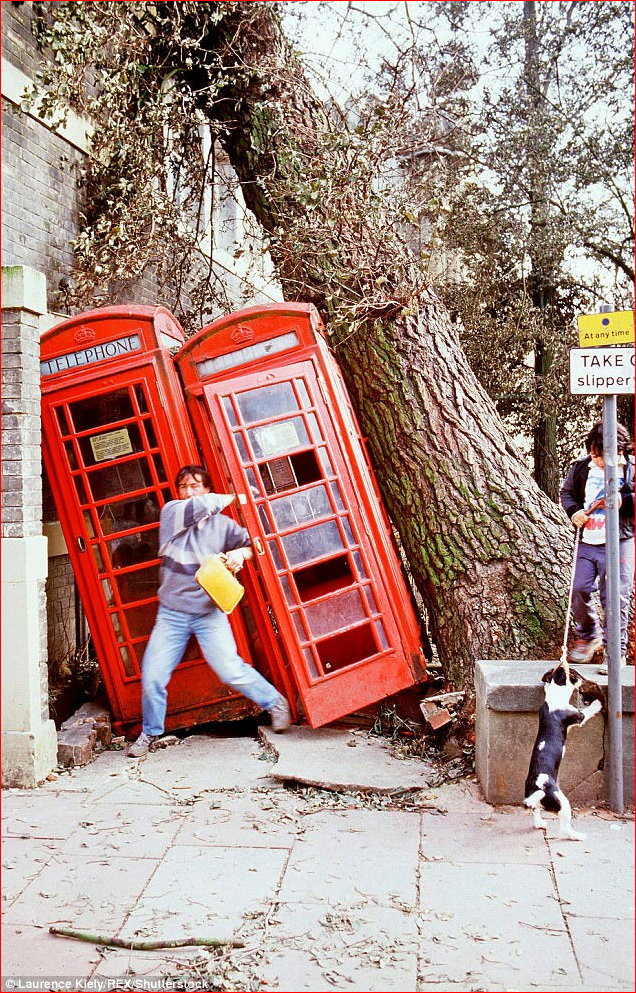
<point x="613" y="607"/>
<point x="593" y="372"/>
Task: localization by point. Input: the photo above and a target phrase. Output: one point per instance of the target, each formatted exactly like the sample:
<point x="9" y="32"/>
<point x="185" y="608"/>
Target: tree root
<point x="142" y="946"/>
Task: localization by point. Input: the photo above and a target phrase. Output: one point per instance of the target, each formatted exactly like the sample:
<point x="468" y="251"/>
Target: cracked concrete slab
<point x="332" y="759"/>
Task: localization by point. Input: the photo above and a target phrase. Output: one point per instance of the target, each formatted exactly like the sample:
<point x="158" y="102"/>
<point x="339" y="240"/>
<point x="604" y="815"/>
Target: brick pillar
<point x="29" y="739"/>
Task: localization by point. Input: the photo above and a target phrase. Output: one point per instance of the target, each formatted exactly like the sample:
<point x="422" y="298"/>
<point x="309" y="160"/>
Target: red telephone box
<point x="272" y="415"/>
<point x="115" y="433"/>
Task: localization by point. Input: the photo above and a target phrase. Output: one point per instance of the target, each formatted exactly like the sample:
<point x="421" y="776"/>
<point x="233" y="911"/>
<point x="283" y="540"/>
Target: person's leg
<point x="599" y="552"/>
<point x="164" y="651"/>
<point x="218" y="647"/>
<point x="626" y="573"/>
<point x="586" y="621"/>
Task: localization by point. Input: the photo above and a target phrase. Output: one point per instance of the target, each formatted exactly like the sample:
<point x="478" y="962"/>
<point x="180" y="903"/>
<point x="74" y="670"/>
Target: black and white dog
<point x="556" y="716"/>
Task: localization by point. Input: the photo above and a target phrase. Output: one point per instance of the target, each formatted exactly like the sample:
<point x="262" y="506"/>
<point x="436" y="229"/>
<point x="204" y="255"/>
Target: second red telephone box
<point x="115" y="433"/>
<point x="274" y="421"/>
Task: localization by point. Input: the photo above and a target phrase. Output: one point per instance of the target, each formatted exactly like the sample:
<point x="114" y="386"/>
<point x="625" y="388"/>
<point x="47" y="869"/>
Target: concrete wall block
<point x="12" y="343"/>
<point x="27" y="758"/>
<point x="24" y="288"/>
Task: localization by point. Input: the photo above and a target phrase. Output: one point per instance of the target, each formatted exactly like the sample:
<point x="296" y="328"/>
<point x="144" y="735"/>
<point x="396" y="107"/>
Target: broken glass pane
<point x="312" y="543"/>
<point x="336" y="613"/>
<point x="267" y="401"/>
<point x="306" y="506"/>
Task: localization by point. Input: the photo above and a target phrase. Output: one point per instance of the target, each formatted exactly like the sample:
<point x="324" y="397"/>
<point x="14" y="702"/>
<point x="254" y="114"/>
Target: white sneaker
<point x="583" y="650"/>
<point x="280" y="715"/>
<point x="603" y="670"/>
<point x="141" y="746"/>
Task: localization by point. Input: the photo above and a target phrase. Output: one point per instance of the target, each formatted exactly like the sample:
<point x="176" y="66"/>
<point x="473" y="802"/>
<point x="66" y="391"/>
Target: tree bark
<point x="487" y="549"/>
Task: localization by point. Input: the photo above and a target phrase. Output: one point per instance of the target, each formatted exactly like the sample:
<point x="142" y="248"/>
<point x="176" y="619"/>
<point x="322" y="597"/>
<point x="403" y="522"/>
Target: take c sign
<point x="596" y="371"/>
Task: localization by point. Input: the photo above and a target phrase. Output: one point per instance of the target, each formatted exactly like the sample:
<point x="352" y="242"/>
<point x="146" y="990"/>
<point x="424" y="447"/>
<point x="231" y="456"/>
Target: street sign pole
<point x="608" y="371"/>
<point x="613" y="604"/>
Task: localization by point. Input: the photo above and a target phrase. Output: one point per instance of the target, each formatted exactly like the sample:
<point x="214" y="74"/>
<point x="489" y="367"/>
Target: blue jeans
<point x="165" y="649"/>
<point x="590" y="565"/>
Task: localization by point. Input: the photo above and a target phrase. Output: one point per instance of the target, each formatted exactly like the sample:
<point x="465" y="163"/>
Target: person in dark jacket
<point x="583" y="499"/>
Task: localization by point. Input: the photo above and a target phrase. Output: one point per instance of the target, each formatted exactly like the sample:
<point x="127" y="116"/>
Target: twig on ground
<point x="142" y="946"/>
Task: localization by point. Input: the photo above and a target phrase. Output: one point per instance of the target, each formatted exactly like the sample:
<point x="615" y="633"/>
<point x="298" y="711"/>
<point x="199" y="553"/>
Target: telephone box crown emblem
<point x="242" y="333"/>
<point x="83" y="335"/>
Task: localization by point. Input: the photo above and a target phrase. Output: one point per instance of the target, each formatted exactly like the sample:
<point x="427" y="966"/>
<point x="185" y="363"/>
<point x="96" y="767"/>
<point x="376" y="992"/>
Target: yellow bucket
<point x="219" y="583"/>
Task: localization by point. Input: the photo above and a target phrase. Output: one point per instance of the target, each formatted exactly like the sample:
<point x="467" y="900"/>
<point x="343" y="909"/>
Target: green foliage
<point x="538" y="183"/>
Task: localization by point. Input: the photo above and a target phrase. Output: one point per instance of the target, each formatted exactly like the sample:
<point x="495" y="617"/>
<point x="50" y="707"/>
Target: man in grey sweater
<point x="190" y="529"/>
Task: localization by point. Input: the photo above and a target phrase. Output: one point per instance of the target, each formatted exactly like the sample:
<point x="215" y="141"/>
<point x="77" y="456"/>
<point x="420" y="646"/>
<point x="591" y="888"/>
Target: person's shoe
<point x="280" y="716"/>
<point x="603" y="667"/>
<point x="583" y="650"/>
<point x="141" y="746"/>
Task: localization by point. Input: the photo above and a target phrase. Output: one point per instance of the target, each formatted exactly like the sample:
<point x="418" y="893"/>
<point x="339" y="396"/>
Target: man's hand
<point x="579" y="519"/>
<point x="235" y="559"/>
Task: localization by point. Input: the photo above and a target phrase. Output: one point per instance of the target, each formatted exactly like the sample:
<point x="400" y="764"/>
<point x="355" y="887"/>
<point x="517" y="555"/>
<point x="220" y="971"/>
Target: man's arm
<point x="178" y="516"/>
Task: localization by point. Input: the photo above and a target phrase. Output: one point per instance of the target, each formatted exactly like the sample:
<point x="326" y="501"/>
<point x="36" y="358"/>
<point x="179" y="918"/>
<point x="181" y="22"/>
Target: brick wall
<point x="40" y="198"/>
<point x="41" y="192"/>
<point x="21" y="436"/>
<point x="60" y="598"/>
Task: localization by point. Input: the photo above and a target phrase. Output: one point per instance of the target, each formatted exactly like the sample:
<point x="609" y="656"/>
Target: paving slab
<point x="134" y="830"/>
<point x="332" y="759"/>
<point x="84" y="893"/>
<point x="32" y="951"/>
<point x="241" y="820"/>
<point x="22" y="860"/>
<point x="605" y="951"/>
<point x="358" y="855"/>
<point x="204" y="892"/>
<point x="496" y="835"/>
<point x="108" y="770"/>
<point x="312" y="946"/>
<point x="202" y="762"/>
<point x="493" y="924"/>
<point x="595" y="877"/>
<point x="30" y="815"/>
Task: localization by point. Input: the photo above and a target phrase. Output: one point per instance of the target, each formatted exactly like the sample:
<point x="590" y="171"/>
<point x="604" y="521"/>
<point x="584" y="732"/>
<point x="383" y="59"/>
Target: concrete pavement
<point x="430" y="889"/>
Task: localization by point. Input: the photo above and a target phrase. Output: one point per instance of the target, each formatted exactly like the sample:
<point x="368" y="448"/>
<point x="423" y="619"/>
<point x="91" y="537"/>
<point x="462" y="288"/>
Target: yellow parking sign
<point x="616" y="328"/>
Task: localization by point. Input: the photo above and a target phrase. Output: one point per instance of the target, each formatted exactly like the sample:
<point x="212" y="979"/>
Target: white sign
<point x="595" y="371"/>
<point x="111" y="445"/>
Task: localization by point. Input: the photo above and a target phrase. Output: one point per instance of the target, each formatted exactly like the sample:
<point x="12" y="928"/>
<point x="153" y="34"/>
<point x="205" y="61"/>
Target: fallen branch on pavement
<point x="142" y="946"/>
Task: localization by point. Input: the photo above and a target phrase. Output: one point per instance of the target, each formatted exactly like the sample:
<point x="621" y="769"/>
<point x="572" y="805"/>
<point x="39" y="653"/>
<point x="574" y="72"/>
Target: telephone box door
<point x="314" y="551"/>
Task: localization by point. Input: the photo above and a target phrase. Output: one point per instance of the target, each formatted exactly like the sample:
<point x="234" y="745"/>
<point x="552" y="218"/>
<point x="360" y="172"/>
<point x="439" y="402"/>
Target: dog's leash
<point x="564" y="651"/>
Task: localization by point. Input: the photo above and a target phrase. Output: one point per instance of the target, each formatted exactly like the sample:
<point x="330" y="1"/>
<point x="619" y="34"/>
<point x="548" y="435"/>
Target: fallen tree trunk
<point x="487" y="549"/>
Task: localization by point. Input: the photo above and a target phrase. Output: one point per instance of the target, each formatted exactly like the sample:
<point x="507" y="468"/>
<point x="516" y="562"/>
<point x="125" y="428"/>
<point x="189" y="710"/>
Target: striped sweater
<point x="189" y="531"/>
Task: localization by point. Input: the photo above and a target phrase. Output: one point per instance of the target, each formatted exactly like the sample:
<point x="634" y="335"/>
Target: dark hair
<point x="594" y="440"/>
<point x="193" y="470"/>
